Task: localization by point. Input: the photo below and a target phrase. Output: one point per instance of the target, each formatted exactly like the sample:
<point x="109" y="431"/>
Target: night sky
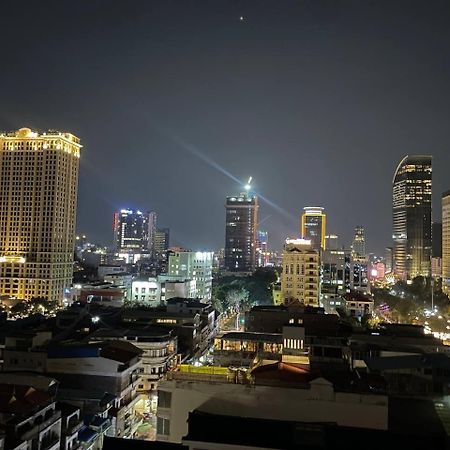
<point x="175" y="101"/>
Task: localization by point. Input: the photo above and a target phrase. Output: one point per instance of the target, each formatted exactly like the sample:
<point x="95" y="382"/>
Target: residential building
<point x="300" y="275"/>
<point x="240" y="232"/>
<point x="358" y="305"/>
<point x="134" y="233"/>
<point x="28" y="413"/>
<point x="446" y="242"/>
<point x="359" y="242"/>
<point x="86" y="374"/>
<point x="38" y="197"/>
<point x="314" y="226"/>
<point x="411" y="204"/>
<point x="195" y="266"/>
<point x="159" y="347"/>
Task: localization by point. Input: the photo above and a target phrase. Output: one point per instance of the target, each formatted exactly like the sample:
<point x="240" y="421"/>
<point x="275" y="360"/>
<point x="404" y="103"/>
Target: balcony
<point x="73" y="426"/>
<point x="50" y="442"/>
<point x="40" y="424"/>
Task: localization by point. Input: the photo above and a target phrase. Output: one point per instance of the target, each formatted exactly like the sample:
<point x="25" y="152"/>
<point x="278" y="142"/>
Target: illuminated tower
<point x="359" y="242"/>
<point x="411" y="213"/>
<point x="134" y="231"/>
<point x="240" y="231"/>
<point x="313" y="226"/>
<point x="262" y="251"/>
<point x="38" y="198"/>
<point x="446" y="242"/>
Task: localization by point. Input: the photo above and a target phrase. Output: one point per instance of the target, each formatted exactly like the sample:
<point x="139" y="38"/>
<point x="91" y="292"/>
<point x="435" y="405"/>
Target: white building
<point x="219" y="393"/>
<point x="156" y="290"/>
<point x="196" y="266"/>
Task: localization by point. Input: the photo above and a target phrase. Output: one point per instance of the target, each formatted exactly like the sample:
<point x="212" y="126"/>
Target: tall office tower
<point x="331" y="242"/>
<point x="389" y="259"/>
<point x="359" y="242"/>
<point x="446" y="242"/>
<point x="240" y="232"/>
<point x="300" y="275"/>
<point x="411" y="207"/>
<point x="162" y="236"/>
<point x="195" y="266"/>
<point x="436" y="238"/>
<point x="134" y="231"/>
<point x="262" y="251"/>
<point x="313" y="226"/>
<point x="38" y="199"/>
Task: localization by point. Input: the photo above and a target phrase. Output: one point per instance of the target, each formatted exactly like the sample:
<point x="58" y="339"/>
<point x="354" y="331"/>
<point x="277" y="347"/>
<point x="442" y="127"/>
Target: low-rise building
<point x="280" y="391"/>
<point x="159" y="347"/>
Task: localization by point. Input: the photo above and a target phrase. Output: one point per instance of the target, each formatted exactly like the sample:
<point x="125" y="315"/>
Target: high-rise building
<point x="240" y="232"/>
<point x="436" y="238"/>
<point x="300" y="274"/>
<point x="389" y="262"/>
<point x="162" y="236"/>
<point x="134" y="232"/>
<point x="331" y="242"/>
<point x="359" y="242"/>
<point x="194" y="266"/>
<point x="38" y="200"/>
<point x="411" y="202"/>
<point x="446" y="242"/>
<point x="262" y="251"/>
<point x="313" y="226"/>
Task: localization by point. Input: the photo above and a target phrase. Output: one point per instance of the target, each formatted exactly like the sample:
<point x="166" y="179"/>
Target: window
<point x="163" y="426"/>
<point x="164" y="399"/>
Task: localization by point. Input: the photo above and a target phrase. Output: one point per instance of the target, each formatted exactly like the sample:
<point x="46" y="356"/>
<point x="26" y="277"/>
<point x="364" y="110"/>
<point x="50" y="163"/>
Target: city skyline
<point x="299" y="93"/>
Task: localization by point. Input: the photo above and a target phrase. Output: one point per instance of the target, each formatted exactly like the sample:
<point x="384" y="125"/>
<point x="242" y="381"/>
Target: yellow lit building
<point x="446" y="242"/>
<point x="38" y="199"/>
<point x="300" y="275"/>
<point x="314" y="226"/>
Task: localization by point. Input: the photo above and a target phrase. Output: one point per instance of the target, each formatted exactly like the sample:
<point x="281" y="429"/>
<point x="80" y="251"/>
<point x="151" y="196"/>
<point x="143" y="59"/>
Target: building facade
<point x="446" y="242"/>
<point x="195" y="266"/>
<point x="359" y="242"/>
<point x="411" y="210"/>
<point x="262" y="250"/>
<point x="162" y="236"/>
<point x="240" y="233"/>
<point x="300" y="275"/>
<point x="313" y="226"/>
<point x="38" y="197"/>
<point x="134" y="232"/>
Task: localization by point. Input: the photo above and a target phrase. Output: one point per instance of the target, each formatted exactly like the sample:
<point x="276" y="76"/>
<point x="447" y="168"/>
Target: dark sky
<point x="317" y="100"/>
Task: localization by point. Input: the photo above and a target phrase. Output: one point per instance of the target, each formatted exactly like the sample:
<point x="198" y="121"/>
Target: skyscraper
<point x="313" y="226"/>
<point x="411" y="202"/>
<point x="359" y="242"/>
<point x="240" y="232"/>
<point x="38" y="199"/>
<point x="300" y="275"/>
<point x="161" y="240"/>
<point x="134" y="232"/>
<point x="262" y="251"/>
<point x="446" y="242"/>
<point x="436" y="237"/>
